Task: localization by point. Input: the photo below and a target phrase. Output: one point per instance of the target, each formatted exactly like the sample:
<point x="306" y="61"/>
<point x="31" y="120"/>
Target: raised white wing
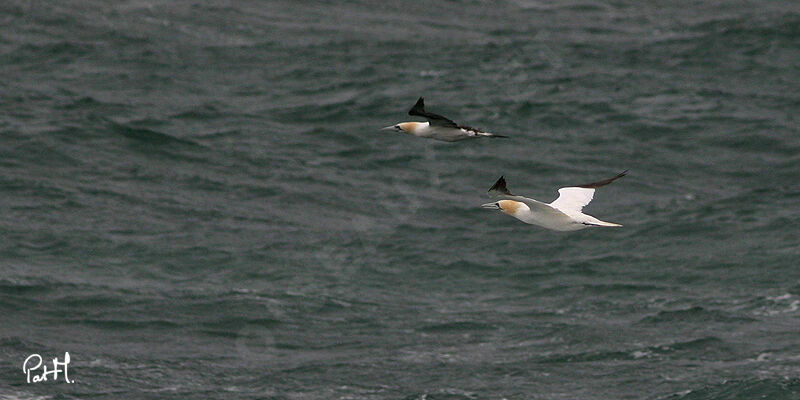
<point x="574" y="198"/>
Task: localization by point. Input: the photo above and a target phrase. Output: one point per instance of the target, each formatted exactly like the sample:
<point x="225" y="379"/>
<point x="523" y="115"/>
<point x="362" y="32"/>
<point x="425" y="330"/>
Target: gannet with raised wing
<point x="563" y="214"/>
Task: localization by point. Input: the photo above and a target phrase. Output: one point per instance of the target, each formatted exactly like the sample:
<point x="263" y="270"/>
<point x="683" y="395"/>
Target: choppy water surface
<point x="197" y="202"/>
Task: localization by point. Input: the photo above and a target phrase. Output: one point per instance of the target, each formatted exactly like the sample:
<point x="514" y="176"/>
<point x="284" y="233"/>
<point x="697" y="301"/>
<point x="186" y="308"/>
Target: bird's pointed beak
<point x="388" y="128"/>
<point x="493" y="206"/>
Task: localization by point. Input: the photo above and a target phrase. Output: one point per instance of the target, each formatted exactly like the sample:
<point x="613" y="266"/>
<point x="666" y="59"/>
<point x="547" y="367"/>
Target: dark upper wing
<point x="434" y="119"/>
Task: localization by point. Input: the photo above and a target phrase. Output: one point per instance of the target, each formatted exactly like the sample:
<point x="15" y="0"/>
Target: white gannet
<point x="437" y="127"/>
<point x="563" y="214"/>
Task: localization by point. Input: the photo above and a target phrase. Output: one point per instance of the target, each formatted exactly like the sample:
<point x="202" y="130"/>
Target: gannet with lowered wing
<point x="437" y="127"/>
<point x="563" y="214"/>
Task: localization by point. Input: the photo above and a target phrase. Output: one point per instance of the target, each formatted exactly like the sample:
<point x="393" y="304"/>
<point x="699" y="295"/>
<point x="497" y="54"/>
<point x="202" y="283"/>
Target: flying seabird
<point x="437" y="127"/>
<point x="563" y="214"/>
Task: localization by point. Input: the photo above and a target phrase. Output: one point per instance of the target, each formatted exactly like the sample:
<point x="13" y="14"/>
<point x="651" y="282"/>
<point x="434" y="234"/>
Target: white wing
<point x="573" y="199"/>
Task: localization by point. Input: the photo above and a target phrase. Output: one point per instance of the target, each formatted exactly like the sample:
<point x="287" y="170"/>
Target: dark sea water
<point x="196" y="201"/>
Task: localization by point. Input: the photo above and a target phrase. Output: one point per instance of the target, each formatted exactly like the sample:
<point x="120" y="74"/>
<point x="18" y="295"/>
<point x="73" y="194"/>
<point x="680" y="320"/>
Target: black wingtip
<point x="419" y="107"/>
<point x="620" y="175"/>
<point x="604" y="182"/>
<point x="500" y="186"/>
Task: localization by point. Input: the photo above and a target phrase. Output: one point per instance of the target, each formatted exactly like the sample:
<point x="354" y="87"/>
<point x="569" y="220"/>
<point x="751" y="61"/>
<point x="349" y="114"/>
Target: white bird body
<point x="446" y="134"/>
<point x="437" y="127"/>
<point x="563" y="214"/>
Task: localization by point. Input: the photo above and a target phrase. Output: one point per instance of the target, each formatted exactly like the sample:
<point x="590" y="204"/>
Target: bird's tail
<point x="597" y="222"/>
<point x="491" y="135"/>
